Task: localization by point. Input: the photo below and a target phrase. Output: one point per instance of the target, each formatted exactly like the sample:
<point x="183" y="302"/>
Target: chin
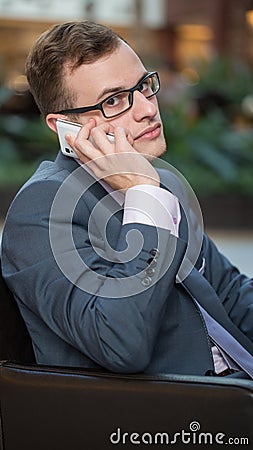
<point x="152" y="149"/>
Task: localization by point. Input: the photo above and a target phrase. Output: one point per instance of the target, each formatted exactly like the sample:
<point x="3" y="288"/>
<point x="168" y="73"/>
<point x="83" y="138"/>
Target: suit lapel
<point x="195" y="284"/>
<point x="104" y="209"/>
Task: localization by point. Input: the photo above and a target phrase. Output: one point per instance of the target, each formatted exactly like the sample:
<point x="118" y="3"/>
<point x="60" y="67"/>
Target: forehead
<point x="120" y="69"/>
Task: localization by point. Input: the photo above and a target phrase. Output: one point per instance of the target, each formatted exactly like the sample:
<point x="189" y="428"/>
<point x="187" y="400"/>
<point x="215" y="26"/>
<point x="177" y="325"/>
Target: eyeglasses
<point x="120" y="102"/>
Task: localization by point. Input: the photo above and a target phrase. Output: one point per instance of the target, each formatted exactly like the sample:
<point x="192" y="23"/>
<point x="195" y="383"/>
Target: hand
<point x="118" y="163"/>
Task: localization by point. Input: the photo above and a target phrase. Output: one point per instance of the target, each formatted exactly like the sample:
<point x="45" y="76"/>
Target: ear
<point x="51" y="121"/>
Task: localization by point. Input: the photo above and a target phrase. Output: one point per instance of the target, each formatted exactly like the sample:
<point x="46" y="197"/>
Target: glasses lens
<point x="116" y="104"/>
<point x="151" y="85"/>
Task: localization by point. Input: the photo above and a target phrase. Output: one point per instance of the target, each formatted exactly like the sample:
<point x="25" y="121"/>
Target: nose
<point x="143" y="106"/>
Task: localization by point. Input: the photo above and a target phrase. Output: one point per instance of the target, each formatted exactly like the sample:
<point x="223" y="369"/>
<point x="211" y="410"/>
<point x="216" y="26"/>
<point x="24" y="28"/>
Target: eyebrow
<point x="112" y="90"/>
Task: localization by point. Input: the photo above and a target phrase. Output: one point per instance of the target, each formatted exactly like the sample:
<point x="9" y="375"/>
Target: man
<point x="93" y="248"/>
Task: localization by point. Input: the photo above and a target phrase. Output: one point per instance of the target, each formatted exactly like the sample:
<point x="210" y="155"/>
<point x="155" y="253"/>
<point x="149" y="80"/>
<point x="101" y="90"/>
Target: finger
<point x="129" y="137"/>
<point x="85" y="149"/>
<point x="124" y="140"/>
<point x="82" y="133"/>
<point x="100" y="139"/>
<point x="85" y="130"/>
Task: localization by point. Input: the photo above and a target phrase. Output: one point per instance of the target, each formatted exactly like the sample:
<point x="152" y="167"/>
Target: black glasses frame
<point x="99" y="106"/>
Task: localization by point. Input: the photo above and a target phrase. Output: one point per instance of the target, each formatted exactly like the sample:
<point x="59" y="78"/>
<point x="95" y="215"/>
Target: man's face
<point x="120" y="70"/>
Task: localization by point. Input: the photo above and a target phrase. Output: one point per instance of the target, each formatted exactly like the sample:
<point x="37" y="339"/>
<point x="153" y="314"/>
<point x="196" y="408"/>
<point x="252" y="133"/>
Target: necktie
<point x="223" y="339"/>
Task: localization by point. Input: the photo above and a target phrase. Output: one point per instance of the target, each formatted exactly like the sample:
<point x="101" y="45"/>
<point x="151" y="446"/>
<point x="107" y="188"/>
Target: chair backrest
<point x="15" y="341"/>
<point x="62" y="408"/>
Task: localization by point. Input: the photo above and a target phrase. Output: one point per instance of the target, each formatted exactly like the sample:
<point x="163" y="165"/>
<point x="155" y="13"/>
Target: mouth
<point x="149" y="133"/>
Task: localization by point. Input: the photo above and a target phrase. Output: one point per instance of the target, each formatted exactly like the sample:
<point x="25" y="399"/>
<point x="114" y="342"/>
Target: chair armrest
<point x="50" y="407"/>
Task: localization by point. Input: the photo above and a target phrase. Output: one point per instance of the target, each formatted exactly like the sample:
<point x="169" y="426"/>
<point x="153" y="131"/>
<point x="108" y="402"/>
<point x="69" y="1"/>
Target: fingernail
<point x="69" y="136"/>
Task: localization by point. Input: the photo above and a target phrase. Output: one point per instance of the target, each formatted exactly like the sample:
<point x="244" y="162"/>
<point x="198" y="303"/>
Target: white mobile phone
<point x="64" y="127"/>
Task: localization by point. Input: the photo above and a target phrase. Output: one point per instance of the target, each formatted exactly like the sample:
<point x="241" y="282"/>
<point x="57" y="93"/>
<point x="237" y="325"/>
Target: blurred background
<point x="203" y="51"/>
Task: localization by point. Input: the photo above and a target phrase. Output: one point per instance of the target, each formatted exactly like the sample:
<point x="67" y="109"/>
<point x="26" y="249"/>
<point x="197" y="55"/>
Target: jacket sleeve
<point x="105" y="297"/>
<point x="234" y="289"/>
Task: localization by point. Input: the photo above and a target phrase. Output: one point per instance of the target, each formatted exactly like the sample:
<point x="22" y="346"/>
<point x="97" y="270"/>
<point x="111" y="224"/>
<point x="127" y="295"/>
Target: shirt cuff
<point x="152" y="205"/>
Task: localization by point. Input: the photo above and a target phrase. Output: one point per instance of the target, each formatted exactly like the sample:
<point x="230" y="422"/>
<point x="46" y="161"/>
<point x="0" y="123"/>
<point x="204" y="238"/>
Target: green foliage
<point x="208" y="147"/>
<point x="24" y="142"/>
<point x="232" y="79"/>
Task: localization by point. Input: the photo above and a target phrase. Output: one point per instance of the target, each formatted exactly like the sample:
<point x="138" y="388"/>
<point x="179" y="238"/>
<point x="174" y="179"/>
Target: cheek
<point x="123" y="121"/>
<point x="96" y="115"/>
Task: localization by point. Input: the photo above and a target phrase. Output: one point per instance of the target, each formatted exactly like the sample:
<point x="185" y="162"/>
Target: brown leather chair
<point x="44" y="408"/>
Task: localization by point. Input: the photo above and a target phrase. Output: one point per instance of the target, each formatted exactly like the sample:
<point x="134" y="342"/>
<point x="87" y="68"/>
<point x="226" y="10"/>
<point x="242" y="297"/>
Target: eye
<point x="116" y="101"/>
<point x="112" y="101"/>
<point x="144" y="86"/>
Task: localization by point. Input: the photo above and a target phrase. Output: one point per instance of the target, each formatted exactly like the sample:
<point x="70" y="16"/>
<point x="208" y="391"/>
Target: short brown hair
<point x="75" y="43"/>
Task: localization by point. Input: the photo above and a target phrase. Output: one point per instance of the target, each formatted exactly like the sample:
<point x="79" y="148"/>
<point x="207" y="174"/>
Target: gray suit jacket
<point x="103" y="294"/>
